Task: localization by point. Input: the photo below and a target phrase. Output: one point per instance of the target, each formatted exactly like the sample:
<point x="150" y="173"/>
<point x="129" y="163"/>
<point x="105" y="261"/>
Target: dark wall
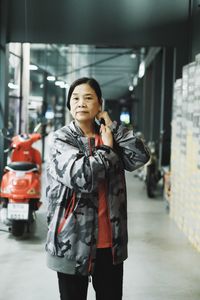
<point x="157" y="80"/>
<point x="195" y="34"/>
<point x="113" y="109"/>
<point x="167" y="97"/>
<point x="139" y="122"/>
<point x="155" y="94"/>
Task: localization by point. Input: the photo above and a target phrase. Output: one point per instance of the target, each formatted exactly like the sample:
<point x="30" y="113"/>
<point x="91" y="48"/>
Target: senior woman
<point x="86" y="193"/>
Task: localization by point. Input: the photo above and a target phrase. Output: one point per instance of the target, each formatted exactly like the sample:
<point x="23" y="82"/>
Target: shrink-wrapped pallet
<point x="185" y="153"/>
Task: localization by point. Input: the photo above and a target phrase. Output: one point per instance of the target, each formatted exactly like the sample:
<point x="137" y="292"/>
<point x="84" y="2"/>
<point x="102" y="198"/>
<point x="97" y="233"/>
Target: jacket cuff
<point x="113" y="126"/>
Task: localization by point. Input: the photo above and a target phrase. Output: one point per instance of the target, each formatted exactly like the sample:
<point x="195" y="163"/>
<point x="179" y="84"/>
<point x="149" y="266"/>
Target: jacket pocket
<point x="68" y="210"/>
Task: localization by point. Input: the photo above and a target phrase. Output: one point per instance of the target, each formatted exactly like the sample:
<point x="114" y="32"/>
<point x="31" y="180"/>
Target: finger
<point x="103" y="127"/>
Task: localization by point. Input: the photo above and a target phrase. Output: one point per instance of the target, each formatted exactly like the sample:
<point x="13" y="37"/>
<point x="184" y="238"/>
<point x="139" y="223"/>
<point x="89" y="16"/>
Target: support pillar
<point x="166" y="105"/>
<point x="3" y="80"/>
<point x="25" y="86"/>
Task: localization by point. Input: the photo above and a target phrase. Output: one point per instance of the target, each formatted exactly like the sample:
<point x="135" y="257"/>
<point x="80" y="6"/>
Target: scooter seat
<point x="21" y="166"/>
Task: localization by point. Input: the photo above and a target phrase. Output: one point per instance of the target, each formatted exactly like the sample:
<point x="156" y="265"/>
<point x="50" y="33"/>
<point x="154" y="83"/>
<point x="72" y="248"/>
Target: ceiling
<point x="113" y="67"/>
<point x="72" y="38"/>
<point x="106" y="22"/>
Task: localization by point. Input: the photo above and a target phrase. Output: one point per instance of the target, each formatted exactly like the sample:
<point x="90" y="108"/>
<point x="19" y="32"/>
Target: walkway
<point x="162" y="265"/>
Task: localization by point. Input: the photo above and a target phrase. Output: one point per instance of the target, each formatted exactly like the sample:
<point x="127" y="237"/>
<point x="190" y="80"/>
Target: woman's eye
<point x="88" y="98"/>
<point x="75" y="98"/>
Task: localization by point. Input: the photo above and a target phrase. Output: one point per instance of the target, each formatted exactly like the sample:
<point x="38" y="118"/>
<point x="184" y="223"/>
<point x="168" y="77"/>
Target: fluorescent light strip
<point x="51" y="78"/>
<point x="33" y="67"/>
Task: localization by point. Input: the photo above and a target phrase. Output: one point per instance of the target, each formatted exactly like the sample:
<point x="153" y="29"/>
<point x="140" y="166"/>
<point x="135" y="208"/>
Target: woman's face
<point x="84" y="103"/>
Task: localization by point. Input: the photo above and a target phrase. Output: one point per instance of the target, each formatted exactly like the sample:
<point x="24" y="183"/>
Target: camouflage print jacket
<point x="75" y="168"/>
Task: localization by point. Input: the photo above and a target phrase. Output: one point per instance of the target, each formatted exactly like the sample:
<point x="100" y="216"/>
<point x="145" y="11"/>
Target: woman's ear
<point x="99" y="109"/>
<point x="100" y="105"/>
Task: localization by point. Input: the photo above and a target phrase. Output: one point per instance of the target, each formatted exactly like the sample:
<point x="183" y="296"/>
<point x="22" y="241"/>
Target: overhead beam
<point x="95" y="63"/>
<point x="128" y="23"/>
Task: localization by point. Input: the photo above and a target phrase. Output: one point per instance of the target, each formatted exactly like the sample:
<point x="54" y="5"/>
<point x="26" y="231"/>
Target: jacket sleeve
<point x="79" y="167"/>
<point x="133" y="152"/>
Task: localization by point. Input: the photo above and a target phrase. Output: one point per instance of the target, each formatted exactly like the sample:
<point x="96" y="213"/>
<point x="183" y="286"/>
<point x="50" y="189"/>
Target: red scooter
<point x="21" y="183"/>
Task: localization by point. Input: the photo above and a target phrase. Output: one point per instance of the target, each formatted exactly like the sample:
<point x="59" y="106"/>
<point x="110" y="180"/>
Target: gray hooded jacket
<point x="76" y="167"/>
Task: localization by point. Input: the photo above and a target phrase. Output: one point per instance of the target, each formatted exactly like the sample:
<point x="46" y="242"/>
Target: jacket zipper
<point x="90" y="147"/>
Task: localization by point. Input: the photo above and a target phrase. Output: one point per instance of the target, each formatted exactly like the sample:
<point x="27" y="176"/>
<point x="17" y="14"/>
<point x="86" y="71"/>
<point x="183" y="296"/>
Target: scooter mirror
<point x="38" y="128"/>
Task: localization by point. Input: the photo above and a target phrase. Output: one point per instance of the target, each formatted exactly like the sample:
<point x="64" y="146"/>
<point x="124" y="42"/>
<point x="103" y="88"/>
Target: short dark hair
<point x="91" y="82"/>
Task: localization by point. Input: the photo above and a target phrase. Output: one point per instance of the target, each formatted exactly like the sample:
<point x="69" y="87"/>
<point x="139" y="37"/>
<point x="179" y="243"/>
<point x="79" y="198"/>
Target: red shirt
<point x="104" y="226"/>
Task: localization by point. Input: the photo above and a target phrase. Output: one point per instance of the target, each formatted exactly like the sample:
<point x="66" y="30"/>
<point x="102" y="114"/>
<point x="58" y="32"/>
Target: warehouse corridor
<point x="161" y="264"/>
<point x="146" y="61"/>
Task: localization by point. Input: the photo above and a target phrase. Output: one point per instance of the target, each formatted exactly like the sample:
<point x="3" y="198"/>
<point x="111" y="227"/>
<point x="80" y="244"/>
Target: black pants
<point x="107" y="280"/>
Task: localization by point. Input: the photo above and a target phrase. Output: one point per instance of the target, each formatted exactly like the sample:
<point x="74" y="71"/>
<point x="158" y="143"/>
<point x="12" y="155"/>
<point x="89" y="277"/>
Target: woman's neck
<point x="87" y="128"/>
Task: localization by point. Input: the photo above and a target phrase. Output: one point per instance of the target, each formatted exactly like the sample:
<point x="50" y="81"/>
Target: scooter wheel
<point x="17" y="228"/>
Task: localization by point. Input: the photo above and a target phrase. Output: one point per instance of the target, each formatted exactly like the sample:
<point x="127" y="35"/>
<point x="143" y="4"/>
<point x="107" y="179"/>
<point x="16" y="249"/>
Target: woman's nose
<point x="81" y="102"/>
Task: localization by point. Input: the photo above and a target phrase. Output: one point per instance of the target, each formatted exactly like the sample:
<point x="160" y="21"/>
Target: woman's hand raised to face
<point x="104" y="115"/>
<point x="106" y="133"/>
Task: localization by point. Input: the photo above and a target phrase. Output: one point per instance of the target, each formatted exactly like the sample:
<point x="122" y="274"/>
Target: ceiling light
<point x="59" y="82"/>
<point x="131" y="88"/>
<point x="135" y="80"/>
<point x="51" y="78"/>
<point x="49" y="114"/>
<point x="13" y="86"/>
<point x="62" y="84"/>
<point x="141" y="71"/>
<point x="33" y="67"/>
<point x="133" y="55"/>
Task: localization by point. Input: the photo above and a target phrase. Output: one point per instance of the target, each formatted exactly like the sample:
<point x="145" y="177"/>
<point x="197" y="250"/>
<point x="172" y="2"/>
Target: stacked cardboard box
<point x="185" y="153"/>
